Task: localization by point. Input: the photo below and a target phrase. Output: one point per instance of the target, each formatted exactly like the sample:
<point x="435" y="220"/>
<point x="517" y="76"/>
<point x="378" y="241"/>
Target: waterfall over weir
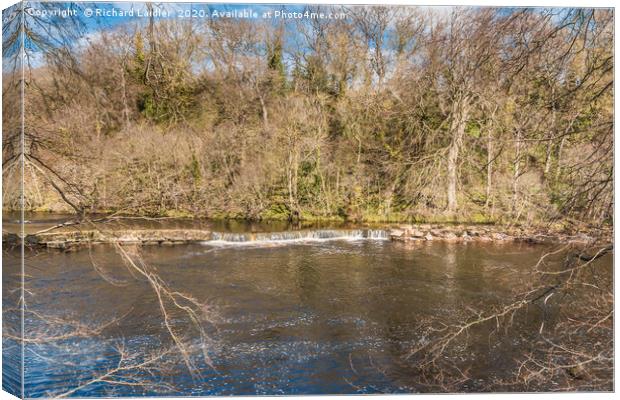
<point x="298" y="236"/>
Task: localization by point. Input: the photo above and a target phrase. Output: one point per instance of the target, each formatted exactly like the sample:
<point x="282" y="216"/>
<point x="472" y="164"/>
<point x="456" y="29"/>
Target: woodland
<point x="390" y="114"/>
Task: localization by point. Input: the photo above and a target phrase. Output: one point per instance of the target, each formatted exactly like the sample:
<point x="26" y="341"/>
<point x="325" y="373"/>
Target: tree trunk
<point x="126" y="112"/>
<point x="263" y="107"/>
<point x="489" y="168"/>
<point x="549" y="137"/>
<point x="558" y="170"/>
<point x="289" y="174"/>
<point x="292" y="176"/>
<point x="457" y="129"/>
<point x="548" y="158"/>
<point x="517" y="171"/>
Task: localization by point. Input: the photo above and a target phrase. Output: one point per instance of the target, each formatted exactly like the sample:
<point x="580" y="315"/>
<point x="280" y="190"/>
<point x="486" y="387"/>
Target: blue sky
<point x="87" y="18"/>
<point x="57" y="21"/>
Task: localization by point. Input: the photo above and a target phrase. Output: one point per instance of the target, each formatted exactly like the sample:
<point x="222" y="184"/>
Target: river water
<point x="314" y="315"/>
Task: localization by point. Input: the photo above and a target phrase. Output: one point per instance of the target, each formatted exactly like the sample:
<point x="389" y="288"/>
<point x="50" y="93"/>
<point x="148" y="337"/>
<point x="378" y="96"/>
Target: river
<point x="313" y="315"/>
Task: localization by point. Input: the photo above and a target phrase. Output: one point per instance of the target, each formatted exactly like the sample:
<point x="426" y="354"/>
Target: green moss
<point x="277" y="212"/>
<point x="178" y="214"/>
<point x="194" y="169"/>
<point x="481" y="219"/>
<point x="307" y="216"/>
<point x="381" y="217"/>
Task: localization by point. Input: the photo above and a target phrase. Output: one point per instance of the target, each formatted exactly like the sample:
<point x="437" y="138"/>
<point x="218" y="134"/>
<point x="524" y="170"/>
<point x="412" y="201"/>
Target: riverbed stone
<point x="397" y="233"/>
<point x="498" y="236"/>
<point x="450" y="236"/>
<point x="416" y="234"/>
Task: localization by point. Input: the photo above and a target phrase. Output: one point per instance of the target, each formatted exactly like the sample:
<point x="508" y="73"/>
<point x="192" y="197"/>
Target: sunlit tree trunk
<point x="489" y="168"/>
<point x="457" y="129"/>
<point x="550" y="142"/>
<point x="517" y="171"/>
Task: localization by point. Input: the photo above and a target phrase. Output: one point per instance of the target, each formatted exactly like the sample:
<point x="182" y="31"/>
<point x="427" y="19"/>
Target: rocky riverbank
<point x="72" y="238"/>
<point x="66" y="239"/>
<point x="492" y="233"/>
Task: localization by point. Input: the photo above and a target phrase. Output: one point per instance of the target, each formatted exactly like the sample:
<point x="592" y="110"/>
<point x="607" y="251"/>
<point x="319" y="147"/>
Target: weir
<point x="72" y="237"/>
<point x="307" y="235"/>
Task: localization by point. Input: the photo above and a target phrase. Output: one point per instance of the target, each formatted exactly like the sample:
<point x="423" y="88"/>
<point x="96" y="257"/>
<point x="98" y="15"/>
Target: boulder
<point x="396" y="233"/>
<point x="416" y="234"/>
<point x="450" y="236"/>
<point x="498" y="236"/>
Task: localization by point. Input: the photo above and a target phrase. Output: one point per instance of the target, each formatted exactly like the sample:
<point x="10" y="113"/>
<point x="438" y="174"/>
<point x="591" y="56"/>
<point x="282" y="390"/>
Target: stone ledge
<point x="71" y="238"/>
<point x="486" y="233"/>
<point x="74" y="238"/>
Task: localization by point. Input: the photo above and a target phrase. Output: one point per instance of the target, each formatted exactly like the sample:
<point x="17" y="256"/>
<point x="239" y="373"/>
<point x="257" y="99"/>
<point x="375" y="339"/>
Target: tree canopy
<point x="393" y="113"/>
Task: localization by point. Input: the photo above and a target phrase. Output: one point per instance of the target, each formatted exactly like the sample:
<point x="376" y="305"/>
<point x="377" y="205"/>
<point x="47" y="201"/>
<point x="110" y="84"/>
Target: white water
<point x="295" y="236"/>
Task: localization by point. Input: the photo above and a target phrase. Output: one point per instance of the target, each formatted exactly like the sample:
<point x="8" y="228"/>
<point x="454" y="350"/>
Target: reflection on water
<point x="336" y="316"/>
<point x="36" y="221"/>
